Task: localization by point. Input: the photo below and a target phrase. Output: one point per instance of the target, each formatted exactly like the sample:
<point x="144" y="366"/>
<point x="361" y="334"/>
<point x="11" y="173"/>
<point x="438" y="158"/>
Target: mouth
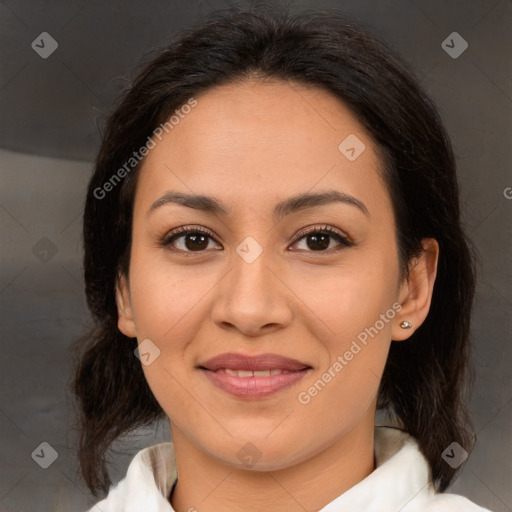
<point x="253" y="377"/>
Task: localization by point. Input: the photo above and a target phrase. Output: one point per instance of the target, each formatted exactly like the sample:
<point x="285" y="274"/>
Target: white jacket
<point x="400" y="482"/>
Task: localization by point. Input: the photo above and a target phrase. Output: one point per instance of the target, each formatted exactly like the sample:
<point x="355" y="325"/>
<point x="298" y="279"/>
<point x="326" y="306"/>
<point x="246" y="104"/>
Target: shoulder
<point x="115" y="500"/>
<point x="444" y="502"/>
<point x="429" y="501"/>
<point x="405" y="476"/>
<point x="147" y="483"/>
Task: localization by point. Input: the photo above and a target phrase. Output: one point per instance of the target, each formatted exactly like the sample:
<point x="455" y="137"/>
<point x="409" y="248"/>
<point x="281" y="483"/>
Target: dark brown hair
<point x="425" y="378"/>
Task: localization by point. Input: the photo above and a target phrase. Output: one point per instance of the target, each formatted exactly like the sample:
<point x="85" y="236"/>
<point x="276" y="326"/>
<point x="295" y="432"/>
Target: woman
<point x="273" y="252"/>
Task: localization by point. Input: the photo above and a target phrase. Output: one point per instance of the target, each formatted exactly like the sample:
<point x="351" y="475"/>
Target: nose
<point x="252" y="299"/>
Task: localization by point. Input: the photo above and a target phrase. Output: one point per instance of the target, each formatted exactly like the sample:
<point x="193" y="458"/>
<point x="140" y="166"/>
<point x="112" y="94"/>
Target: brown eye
<point x="318" y="240"/>
<point x="188" y="240"/>
<point x="196" y="241"/>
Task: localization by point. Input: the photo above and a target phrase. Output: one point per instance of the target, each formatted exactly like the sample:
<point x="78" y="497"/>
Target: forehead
<point x="262" y="140"/>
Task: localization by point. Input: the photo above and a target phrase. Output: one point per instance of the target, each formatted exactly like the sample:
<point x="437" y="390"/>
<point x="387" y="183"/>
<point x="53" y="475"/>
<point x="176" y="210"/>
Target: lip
<point x="253" y="387"/>
<point x="235" y="361"/>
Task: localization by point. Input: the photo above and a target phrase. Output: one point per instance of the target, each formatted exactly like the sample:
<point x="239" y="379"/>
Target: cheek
<point x="165" y="297"/>
<point x="341" y="302"/>
<point x="167" y="308"/>
<point x="350" y="310"/>
<point x="356" y="347"/>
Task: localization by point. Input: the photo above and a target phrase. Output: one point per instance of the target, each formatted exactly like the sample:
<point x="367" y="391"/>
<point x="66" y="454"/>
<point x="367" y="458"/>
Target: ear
<point x="125" y="322"/>
<point x="415" y="293"/>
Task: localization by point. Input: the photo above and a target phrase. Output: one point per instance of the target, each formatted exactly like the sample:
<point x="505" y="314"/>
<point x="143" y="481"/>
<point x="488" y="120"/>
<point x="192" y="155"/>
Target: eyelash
<point x="325" y="230"/>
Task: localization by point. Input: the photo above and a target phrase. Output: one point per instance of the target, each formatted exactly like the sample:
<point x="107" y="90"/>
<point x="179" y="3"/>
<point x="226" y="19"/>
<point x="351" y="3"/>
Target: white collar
<point x="400" y="482"/>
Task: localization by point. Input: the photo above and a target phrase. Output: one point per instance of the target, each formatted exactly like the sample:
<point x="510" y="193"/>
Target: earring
<point x="405" y="324"/>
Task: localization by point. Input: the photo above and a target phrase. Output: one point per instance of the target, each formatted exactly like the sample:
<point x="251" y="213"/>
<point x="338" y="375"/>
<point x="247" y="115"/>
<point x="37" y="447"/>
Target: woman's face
<point x="264" y="277"/>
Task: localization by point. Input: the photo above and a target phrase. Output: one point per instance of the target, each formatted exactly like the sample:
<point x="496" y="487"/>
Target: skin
<point x="251" y="145"/>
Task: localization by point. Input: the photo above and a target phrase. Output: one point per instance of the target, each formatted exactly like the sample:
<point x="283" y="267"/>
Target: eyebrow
<point x="282" y="209"/>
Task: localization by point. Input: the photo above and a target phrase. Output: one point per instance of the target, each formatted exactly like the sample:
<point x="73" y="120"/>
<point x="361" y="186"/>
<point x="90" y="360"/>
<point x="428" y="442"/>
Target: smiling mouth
<point x="252" y="376"/>
<point x="253" y="385"/>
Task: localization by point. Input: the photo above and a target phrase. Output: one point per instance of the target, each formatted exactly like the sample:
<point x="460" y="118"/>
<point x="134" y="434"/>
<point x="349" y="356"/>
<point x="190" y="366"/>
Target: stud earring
<point x="405" y="324"/>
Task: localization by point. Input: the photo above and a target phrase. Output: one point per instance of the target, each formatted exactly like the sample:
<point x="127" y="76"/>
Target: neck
<point x="206" y="483"/>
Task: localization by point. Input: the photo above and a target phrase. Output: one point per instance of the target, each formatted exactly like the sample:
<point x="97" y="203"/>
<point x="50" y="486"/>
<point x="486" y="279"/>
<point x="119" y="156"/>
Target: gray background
<point x="49" y="110"/>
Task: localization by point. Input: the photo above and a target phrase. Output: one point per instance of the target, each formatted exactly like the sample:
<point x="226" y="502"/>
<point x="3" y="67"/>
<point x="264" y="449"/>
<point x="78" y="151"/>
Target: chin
<point x="256" y="453"/>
